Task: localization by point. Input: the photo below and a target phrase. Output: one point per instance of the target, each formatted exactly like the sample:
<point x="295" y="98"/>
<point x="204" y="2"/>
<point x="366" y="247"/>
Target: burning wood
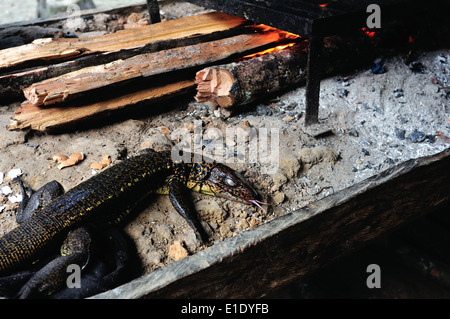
<point x="231" y="85"/>
<point x="74" y="84"/>
<point x="130" y="82"/>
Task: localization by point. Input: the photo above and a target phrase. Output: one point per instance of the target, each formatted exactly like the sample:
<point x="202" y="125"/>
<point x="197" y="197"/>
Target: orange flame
<point x="268" y="51"/>
<point x="283" y="34"/>
<point x="323" y="5"/>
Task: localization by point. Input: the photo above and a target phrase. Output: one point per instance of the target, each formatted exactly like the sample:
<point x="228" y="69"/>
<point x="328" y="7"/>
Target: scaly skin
<point x="111" y="195"/>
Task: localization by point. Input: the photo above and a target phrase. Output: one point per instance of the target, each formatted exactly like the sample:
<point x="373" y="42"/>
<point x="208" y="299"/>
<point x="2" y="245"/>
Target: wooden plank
<point x="55" y="118"/>
<point x="51" y="50"/>
<point x="81" y="82"/>
<point x="12" y="84"/>
<point x="255" y="262"/>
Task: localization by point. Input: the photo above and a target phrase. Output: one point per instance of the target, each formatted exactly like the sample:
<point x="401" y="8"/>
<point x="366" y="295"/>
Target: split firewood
<point x="87" y="80"/>
<point x="232" y="85"/>
<point x="185" y="32"/>
<point x="52" y="50"/>
<point x="106" y="160"/>
<point x="57" y="118"/>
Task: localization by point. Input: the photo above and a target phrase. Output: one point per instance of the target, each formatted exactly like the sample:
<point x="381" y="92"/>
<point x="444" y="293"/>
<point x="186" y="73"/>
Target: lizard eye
<point x="229" y="181"/>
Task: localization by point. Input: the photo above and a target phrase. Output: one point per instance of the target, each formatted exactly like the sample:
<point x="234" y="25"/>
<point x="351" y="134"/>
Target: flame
<point x="268" y="51"/>
<point x="370" y="34"/>
<point x="323" y="5"/>
<point x="283" y="34"/>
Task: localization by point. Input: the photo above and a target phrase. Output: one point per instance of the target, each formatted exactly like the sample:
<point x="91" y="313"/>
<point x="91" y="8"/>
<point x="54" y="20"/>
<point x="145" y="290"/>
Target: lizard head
<point x="220" y="180"/>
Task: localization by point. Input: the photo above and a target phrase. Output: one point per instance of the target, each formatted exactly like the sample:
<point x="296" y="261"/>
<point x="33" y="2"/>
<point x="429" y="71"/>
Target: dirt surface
<point x="14" y="11"/>
<point x="376" y="121"/>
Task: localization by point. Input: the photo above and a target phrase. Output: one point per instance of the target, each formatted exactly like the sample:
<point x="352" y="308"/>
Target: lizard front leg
<point x="178" y="197"/>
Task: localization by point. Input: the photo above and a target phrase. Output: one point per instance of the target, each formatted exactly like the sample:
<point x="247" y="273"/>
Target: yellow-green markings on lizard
<point x="110" y="195"/>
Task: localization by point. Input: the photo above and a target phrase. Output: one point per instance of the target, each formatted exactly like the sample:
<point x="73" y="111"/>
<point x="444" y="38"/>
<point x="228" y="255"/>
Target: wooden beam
<point x="12" y="84"/>
<point x="57" y="118"/>
<point x="44" y="51"/>
<point x="81" y="82"/>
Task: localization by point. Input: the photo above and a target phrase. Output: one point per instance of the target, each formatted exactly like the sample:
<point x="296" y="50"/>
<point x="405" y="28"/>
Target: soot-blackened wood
<point x="256" y="262"/>
<point x="233" y="85"/>
<point x="88" y="80"/>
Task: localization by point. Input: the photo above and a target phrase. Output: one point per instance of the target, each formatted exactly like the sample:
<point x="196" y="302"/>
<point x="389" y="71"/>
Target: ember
<point x="268" y="51"/>
<point x="369" y="33"/>
<point x="283" y="34"/>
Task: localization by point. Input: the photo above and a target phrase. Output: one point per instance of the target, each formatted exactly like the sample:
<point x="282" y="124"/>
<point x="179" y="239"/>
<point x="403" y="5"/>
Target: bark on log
<point x="56" y="118"/>
<point x="77" y="83"/>
<point x="241" y="83"/>
<point x="50" y="50"/>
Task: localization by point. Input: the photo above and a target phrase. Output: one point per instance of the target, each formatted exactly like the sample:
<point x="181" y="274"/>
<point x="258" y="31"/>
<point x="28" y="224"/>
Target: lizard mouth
<point x="256" y="202"/>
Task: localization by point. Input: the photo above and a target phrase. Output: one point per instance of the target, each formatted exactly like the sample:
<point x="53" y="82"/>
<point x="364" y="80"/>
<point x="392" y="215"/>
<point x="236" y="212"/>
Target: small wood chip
<point x="177" y="251"/>
<point x="106" y="160"/>
<point x="77" y="157"/>
<point x="59" y="158"/>
<point x="97" y="166"/>
<point x="65" y="161"/>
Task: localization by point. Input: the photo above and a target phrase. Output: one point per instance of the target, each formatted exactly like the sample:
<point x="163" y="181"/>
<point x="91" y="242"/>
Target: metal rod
<point x="153" y="11"/>
<point x="313" y="77"/>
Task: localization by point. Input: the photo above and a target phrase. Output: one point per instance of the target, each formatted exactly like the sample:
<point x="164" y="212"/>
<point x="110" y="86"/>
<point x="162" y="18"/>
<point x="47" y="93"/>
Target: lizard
<point x="106" y="199"/>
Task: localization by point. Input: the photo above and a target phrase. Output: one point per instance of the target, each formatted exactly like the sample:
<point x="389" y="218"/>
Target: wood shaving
<point x="106" y="160"/>
<point x="65" y="161"/>
<point x="59" y="158"/>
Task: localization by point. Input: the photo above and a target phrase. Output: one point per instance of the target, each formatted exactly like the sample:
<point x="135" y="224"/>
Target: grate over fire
<point x="311" y="19"/>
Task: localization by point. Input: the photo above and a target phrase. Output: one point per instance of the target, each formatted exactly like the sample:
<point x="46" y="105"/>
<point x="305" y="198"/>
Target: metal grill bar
<point x="153" y="11"/>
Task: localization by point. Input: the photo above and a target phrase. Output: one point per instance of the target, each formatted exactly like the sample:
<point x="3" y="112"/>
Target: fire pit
<point x="312" y="20"/>
<point x="383" y="162"/>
